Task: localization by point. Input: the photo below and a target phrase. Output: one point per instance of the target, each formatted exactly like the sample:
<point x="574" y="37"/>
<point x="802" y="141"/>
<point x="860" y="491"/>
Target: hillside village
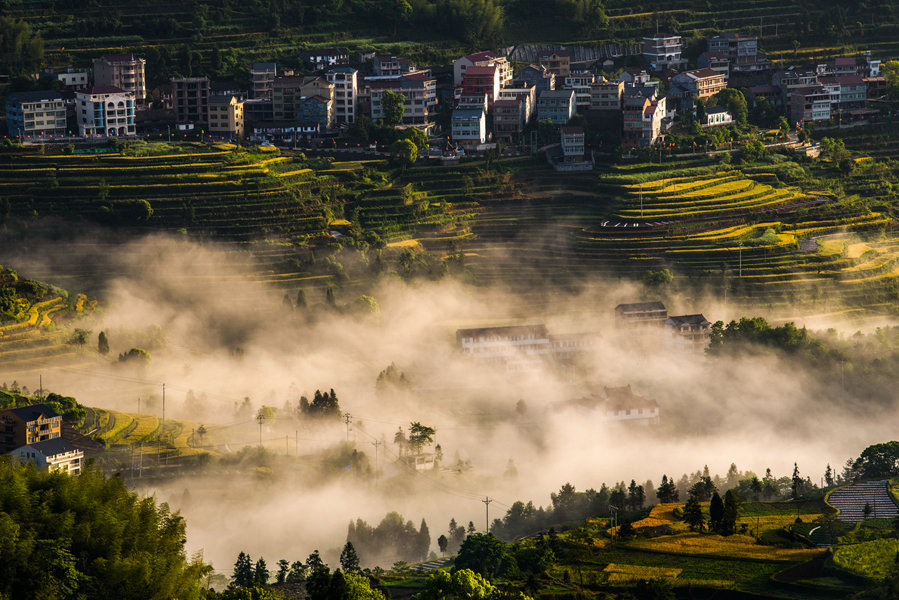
<point x="483" y="101"/>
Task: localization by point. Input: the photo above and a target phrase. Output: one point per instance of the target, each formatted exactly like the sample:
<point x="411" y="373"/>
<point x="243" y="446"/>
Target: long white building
<point x="105" y="111"/>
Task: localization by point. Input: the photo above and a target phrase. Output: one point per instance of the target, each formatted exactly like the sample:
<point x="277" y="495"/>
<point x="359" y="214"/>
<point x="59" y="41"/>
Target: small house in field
<point x="52" y="455"/>
<point x="641" y="314"/>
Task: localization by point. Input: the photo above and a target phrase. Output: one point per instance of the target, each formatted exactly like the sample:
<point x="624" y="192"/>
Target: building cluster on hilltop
<point x="478" y="101"/>
<point x="34" y="434"/>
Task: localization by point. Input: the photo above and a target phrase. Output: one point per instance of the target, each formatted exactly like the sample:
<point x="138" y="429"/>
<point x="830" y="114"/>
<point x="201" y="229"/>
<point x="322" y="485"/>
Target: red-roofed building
<point x="482" y="80"/>
<point x="105" y="111"/>
<point x="482" y="59"/>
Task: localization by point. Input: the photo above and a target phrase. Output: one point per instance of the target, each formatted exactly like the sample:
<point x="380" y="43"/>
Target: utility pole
<point x="613" y="521"/>
<point x="40" y="393"/>
<point x="260" y="418"/>
<point x="487" y="500"/>
<point x="376" y="443"/>
<point x="347" y="417"/>
<point x="741" y="258"/>
<point x="162" y="429"/>
<point x="296" y="443"/>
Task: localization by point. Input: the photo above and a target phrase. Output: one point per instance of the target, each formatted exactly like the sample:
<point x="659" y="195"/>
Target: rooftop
<point x="639" y="307"/>
<point x="33" y="96"/>
<point x="505" y="331"/>
<point x="52" y="447"/>
<point x="100" y="90"/>
<point x="33" y="412"/>
<point x="698" y="319"/>
<point x="481" y="56"/>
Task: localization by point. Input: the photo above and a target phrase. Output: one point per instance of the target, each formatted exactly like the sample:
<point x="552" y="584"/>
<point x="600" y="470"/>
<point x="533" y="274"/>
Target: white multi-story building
<point x="663" y="51"/>
<point x="35" y="115"/>
<point x="345" y="81"/>
<point x="105" y="111"/>
<point x="124" y="71"/>
<point x="469" y="127"/>
<point x="580" y="82"/>
<point x="482" y="59"/>
<point x="52" y="455"/>
<point x="419" y="92"/>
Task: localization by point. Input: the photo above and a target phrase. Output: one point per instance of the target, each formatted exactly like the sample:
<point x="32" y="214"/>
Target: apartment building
<point x="419" y="92"/>
<point x="509" y="119"/>
<point x="190" y="98"/>
<point x="482" y="59"/>
<point x="556" y="105"/>
<point x="606" y="95"/>
<point x="262" y="80"/>
<point x="345" y="82"/>
<point x="52" y="455"/>
<point x="387" y="65"/>
<point x="557" y="62"/>
<point x="572" y="142"/>
<point x="809" y="104"/>
<point x="35" y="115"/>
<point x="226" y="117"/>
<point x="105" y="111"/>
<point x="701" y="83"/>
<point x="287" y="92"/>
<point x="525" y="91"/>
<point x="482" y="80"/>
<point x="663" y="51"/>
<point x="469" y="127"/>
<point x="580" y="82"/>
<point x="124" y="71"/>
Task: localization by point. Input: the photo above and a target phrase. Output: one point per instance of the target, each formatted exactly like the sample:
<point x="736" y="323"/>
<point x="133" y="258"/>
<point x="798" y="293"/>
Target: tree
<point x="828" y="476"/>
<point x="261" y="573"/>
<point x="442" y="544"/>
<point x="667" y="491"/>
<point x="79" y="337"/>
<point x="283" y="571"/>
<point x="349" y="560"/>
<point x="657" y="279"/>
<point x="693" y="516"/>
<point x="735" y="102"/>
<point x="890" y="70"/>
<point x="483" y="554"/>
<point x="21" y="49"/>
<point x="102" y="343"/>
<point x="420" y="436"/>
<point x="878" y="461"/>
<point x="403" y="152"/>
<point x="716" y="513"/>
<point x="318" y="581"/>
<point x="392" y="106"/>
<point x="796" y="482"/>
<point x="732" y="504"/>
<point x="243" y="571"/>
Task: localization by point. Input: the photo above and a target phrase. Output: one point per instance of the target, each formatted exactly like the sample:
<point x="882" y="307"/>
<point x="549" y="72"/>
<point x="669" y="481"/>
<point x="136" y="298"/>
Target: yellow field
<point x="618" y="573"/>
<point x="771" y="522"/>
<point x="734" y="546"/>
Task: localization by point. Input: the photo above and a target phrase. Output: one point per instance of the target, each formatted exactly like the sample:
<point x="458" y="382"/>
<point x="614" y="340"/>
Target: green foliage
<point x="135" y="355"/>
<point x="483" y="554"/>
<point x="324" y="405"/>
<point x="879" y="461"/>
<point x="87" y="536"/>
<point x="735" y="102"/>
<point x="748" y="332"/>
<point x="463" y="584"/>
<point x="693" y="516"/>
<point x="657" y="279"/>
<point x="420" y="436"/>
<point x="403" y="152"/>
<point x="890" y="71"/>
<point x="871" y="560"/>
<point x="392" y="103"/>
<point x="21" y="49"/>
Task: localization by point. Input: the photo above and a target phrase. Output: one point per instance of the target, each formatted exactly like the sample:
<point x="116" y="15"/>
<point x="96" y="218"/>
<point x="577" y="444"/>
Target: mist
<point x="217" y="335"/>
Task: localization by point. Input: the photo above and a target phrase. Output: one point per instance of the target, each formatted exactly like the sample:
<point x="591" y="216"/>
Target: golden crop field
<point x="733" y="546"/>
<point x="621" y="573"/>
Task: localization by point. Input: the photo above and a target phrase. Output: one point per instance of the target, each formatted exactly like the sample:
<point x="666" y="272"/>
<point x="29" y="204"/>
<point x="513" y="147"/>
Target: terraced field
<point x="35" y="342"/>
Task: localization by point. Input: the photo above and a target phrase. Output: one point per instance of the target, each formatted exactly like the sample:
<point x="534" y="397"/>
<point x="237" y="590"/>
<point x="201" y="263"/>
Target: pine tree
<point x="283" y="571"/>
<point x="102" y="343"/>
<point x="243" y="571"/>
<point x="693" y="516"/>
<point x="423" y="541"/>
<point x="261" y="573"/>
<point x="797" y="482"/>
<point x="349" y="560"/>
<point x="828" y="476"/>
<point x="716" y="513"/>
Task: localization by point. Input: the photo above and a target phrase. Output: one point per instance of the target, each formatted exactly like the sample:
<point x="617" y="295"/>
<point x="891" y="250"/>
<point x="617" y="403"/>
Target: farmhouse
<point x="688" y="332"/>
<point x="623" y="405"/>
<point x="28" y="425"/>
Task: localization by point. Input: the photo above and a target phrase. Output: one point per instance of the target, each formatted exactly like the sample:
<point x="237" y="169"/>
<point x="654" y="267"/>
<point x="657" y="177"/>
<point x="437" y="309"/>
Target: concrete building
<point x="847" y="92"/>
<point x="324" y="58"/>
<point x="698" y="83"/>
<point x="226" y="117"/>
<point x="315" y="113"/>
<point x="419" y="98"/>
<point x="556" y="105"/>
<point x="580" y="82"/>
<point x="642" y="114"/>
<point x="509" y="119"/>
<point x="663" y="51"/>
<point x="345" y="82"/>
<point x="482" y="80"/>
<point x="808" y="104"/>
<point x="387" y="65"/>
<point x="190" y="96"/>
<point x="606" y="95"/>
<point x="469" y="127"/>
<point x="482" y="59"/>
<point x="715" y="61"/>
<point x="557" y="62"/>
<point x="538" y="76"/>
<point x="287" y="92"/>
<point x="572" y="142"/>
<point x="716" y="116"/>
<point x="124" y="71"/>
<point x="70" y="78"/>
<point x="105" y="111"/>
<point x="621" y="404"/>
<point x="262" y="80"/>
<point x="52" y="455"/>
<point x="35" y="115"/>
<point x="527" y="92"/>
<point x="28" y="425"/>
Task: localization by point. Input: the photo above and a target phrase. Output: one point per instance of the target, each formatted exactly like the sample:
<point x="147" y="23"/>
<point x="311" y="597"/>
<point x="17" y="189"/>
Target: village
<point x="483" y="101"/>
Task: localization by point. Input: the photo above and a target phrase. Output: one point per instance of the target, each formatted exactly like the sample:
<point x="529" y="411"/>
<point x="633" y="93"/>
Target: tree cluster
<point x="393" y="539"/>
<point x="324" y="405"/>
<point x="88" y="536"/>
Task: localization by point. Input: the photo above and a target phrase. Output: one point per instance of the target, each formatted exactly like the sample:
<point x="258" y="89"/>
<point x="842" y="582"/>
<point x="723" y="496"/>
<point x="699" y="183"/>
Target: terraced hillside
<point x="852" y="500"/>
